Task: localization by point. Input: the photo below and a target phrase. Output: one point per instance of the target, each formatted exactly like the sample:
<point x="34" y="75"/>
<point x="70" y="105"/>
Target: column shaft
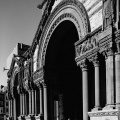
<point x="117" y="72"/>
<point x="110" y="80"/>
<point x="97" y="85"/>
<point x="45" y="102"/>
<point x="29" y="102"/>
<point x="21" y="104"/>
<point x="23" y="100"/>
<point x="9" y="108"/>
<point x="41" y="102"/>
<point x="25" y="105"/>
<point x="85" y="93"/>
<point x="14" y="102"/>
<point x="33" y="101"/>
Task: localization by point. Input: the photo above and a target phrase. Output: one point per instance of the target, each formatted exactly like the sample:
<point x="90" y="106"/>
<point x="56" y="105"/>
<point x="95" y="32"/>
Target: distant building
<point x="4" y="106"/>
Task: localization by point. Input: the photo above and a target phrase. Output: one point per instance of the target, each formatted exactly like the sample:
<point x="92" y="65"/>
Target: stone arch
<point x="71" y="10"/>
<point x="13" y="78"/>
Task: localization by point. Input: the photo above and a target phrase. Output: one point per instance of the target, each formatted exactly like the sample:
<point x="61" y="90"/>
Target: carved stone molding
<point x="104" y="113"/>
<point x="96" y="60"/>
<point x="46" y="36"/>
<point x="38" y="76"/>
<point x="84" y="65"/>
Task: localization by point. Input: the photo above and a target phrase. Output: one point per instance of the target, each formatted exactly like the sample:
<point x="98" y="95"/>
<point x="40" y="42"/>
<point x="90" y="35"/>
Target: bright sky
<point x="19" y="20"/>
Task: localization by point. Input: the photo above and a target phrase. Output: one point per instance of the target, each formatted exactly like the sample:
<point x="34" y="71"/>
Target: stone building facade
<point x="71" y="70"/>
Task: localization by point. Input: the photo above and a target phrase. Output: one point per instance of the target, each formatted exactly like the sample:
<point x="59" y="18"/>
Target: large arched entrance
<point x="62" y="74"/>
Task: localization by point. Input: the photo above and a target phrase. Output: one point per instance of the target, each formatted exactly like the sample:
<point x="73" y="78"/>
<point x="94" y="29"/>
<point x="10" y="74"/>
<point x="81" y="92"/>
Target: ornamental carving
<point x="85" y="22"/>
<point x="107" y="113"/>
<point x="38" y="76"/>
<point x="86" y="46"/>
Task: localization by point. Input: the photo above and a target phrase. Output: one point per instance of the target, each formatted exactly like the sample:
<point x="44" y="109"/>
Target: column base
<point x="30" y="117"/>
<point x="96" y="108"/>
<point x="21" y="117"/>
<point x="117" y="106"/>
<point x="109" y="107"/>
<point x="39" y="117"/>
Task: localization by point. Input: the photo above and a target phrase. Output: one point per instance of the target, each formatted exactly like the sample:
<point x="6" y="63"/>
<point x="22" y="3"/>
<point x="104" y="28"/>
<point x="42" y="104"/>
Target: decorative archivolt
<point x="71" y="10"/>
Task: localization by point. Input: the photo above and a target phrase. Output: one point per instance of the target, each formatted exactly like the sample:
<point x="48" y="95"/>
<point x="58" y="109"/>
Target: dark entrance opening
<point x="62" y="74"/>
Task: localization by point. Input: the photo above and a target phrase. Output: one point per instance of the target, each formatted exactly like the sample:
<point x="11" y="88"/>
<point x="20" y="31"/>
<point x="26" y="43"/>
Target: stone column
<point x="23" y="105"/>
<point x="85" y="89"/>
<point x="9" y="108"/>
<point x="118" y="14"/>
<point x="45" y="102"/>
<point x="30" y="102"/>
<point x="97" y="85"/>
<point x="110" y="80"/>
<point x="33" y="101"/>
<point x="14" y="104"/>
<point x="117" y="74"/>
<point x="41" y="101"/>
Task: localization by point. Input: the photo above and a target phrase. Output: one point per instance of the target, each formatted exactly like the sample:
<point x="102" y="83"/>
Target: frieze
<point x="86" y="46"/>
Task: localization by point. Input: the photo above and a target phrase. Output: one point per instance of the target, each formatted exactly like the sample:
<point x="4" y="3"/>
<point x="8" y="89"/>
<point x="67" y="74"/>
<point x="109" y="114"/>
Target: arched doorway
<point x="63" y="75"/>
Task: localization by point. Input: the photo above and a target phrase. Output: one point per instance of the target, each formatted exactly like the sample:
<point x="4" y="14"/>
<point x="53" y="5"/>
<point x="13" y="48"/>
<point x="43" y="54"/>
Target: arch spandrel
<point x="71" y="10"/>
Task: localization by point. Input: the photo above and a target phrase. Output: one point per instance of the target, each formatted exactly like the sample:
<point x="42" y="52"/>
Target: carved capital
<point x="44" y="84"/>
<point x="96" y="61"/>
<point x="84" y="65"/>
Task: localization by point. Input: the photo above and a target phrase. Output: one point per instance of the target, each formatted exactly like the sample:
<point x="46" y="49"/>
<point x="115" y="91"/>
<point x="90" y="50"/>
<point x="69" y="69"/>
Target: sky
<point x="19" y="20"/>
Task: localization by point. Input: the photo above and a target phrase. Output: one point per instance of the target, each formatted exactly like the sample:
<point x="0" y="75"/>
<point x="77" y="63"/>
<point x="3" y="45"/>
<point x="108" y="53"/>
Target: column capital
<point x="84" y="65"/>
<point x="44" y="84"/>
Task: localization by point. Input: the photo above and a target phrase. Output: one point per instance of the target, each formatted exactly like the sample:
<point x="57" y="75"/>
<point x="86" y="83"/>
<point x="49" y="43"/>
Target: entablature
<point x="103" y="42"/>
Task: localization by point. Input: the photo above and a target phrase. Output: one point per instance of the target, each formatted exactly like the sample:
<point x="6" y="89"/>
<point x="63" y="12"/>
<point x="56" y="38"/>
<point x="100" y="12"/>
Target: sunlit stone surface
<point x="94" y="9"/>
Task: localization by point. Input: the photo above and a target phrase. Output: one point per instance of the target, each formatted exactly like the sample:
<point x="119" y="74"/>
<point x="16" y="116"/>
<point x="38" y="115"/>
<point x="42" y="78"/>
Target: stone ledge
<point x="102" y="113"/>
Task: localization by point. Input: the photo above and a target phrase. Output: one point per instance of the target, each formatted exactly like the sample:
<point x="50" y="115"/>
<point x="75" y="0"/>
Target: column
<point x="23" y="105"/>
<point x="14" y="104"/>
<point x="33" y="102"/>
<point x="110" y="80"/>
<point x="118" y="14"/>
<point x="9" y="108"/>
<point x="97" y="85"/>
<point x="117" y="74"/>
<point x="85" y="90"/>
<point x="45" y="102"/>
<point x="41" y="101"/>
<point x="29" y="101"/>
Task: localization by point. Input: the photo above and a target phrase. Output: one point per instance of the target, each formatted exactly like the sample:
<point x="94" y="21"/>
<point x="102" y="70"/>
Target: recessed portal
<point x="63" y="75"/>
